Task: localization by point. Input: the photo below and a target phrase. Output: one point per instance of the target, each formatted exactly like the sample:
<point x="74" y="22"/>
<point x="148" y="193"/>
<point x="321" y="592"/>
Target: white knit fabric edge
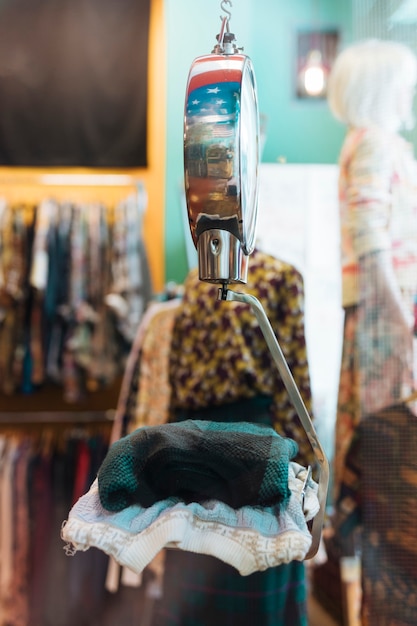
<point x="245" y="549"/>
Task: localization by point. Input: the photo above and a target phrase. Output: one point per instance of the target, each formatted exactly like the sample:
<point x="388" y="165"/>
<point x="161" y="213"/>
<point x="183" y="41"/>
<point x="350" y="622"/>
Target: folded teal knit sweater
<point x="196" y="460"/>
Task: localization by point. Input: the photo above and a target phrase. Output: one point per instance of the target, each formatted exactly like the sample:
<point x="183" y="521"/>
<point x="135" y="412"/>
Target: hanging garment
<point x="14" y="293"/>
<point x="41" y="514"/>
<point x="153" y="408"/>
<point x="8" y="531"/>
<point x="138" y="405"/>
<point x="219" y="354"/>
<point x="20" y="582"/>
<point x="147" y="369"/>
<point x="8" y="450"/>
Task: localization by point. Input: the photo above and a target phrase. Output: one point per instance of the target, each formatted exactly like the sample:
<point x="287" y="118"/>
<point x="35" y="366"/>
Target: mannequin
<point x="371" y="90"/>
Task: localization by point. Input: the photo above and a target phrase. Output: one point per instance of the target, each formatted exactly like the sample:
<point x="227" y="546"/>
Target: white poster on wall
<point x="298" y="222"/>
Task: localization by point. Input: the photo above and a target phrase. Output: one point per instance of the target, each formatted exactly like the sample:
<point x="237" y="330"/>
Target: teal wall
<point x="298" y="131"/>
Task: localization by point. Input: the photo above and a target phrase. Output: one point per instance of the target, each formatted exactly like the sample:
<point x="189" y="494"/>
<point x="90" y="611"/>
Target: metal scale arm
<point x="298" y="403"/>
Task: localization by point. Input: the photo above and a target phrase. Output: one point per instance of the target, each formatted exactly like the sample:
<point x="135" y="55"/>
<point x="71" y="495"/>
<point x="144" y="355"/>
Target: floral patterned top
<point x="218" y="352"/>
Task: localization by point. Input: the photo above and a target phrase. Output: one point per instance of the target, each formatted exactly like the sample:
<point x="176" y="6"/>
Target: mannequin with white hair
<point x="372" y="84"/>
<point x="370" y="90"/>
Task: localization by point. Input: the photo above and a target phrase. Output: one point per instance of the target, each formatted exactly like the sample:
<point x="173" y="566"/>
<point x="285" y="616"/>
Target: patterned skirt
<point x="377" y="370"/>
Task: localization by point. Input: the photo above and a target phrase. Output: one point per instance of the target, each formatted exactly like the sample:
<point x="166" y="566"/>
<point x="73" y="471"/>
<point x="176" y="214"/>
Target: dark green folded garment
<point x="239" y="463"/>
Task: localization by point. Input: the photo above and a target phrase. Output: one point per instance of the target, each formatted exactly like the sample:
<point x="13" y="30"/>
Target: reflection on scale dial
<point x="221" y="156"/>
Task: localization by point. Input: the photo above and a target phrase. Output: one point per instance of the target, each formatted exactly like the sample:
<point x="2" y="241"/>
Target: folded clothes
<point x="196" y="460"/>
<point x="250" y="538"/>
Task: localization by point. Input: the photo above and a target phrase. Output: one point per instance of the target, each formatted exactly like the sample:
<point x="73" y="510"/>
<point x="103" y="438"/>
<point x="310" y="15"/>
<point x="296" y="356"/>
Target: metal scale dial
<point x="221" y="155"/>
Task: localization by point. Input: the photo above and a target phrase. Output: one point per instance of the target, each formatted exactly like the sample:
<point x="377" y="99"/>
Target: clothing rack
<point x="99" y="272"/>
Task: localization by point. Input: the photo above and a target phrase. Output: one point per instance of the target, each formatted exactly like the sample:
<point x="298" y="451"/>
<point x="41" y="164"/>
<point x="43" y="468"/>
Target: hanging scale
<point x="221" y="159"/>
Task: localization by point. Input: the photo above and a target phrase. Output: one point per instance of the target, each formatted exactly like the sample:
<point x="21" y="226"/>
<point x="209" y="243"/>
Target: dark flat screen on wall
<point x="73" y="82"/>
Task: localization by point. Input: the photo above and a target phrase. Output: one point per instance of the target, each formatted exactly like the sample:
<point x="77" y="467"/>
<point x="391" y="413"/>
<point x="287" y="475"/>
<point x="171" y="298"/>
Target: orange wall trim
<point x="154" y="175"/>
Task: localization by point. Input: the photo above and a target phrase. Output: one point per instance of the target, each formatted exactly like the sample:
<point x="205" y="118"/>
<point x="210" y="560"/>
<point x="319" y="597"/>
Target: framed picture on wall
<point x="316" y="51"/>
<point x="73" y="83"/>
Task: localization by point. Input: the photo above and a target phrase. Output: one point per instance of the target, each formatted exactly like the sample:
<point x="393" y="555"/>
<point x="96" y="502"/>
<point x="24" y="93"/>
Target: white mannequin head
<point x="372" y="84"/>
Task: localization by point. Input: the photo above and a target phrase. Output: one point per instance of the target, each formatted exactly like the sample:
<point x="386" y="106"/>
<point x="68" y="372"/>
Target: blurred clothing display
<point x="74" y="284"/>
